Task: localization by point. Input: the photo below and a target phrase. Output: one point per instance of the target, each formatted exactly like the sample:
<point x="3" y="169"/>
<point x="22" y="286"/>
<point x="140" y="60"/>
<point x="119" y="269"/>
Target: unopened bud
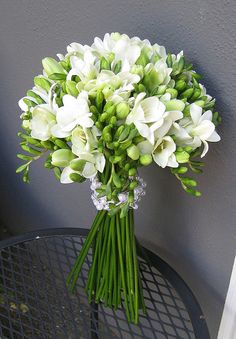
<point x="145" y="159"/>
<point x="42" y="82"/>
<point x="77" y="164"/>
<point x="62" y="157"/>
<point x="173" y="92"/>
<point x="122" y="110"/>
<point x="174" y="105"/>
<point x="71" y="88"/>
<point x="51" y="66"/>
<point x="180" y="85"/>
<point x="133" y="152"/>
<point x="182" y="157"/>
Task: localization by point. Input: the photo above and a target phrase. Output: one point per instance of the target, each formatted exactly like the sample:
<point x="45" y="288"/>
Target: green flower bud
<point x="180" y="85"/>
<point x="173" y="92"/>
<point x="196" y="94"/>
<point x="42" y="82"/>
<point x="113" y="121"/>
<point x="132" y="172"/>
<point x="122" y="110"/>
<point x="107" y="91"/>
<point x="51" y="66"/>
<point x="60" y="143"/>
<point x="98" y="125"/>
<point x="189" y="181"/>
<point x="187" y="93"/>
<point x="62" y="157"/>
<point x="39" y="100"/>
<point x="161" y="90"/>
<point x="192" y="192"/>
<point x="133" y="185"/>
<point x="119" y="131"/>
<point x="77" y="164"/>
<point x="29" y="103"/>
<point x="99" y="100"/>
<point x="111" y="110"/>
<point x="133" y="152"/>
<point x="145" y="159"/>
<point x="71" y="88"/>
<point x="141" y="88"/>
<point x="169" y="60"/>
<point x="174" y="105"/>
<point x="76" y="177"/>
<point x="107" y="105"/>
<point x="127" y="166"/>
<point x="103" y="117"/>
<point x="200" y="103"/>
<point x="125" y="133"/>
<point x="116" y="180"/>
<point x="179" y="170"/>
<point x="124" y="145"/>
<point x="115" y="159"/>
<point x="182" y="157"/>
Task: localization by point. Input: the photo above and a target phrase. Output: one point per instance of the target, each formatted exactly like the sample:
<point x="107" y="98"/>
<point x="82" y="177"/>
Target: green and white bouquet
<point x="99" y="113"/>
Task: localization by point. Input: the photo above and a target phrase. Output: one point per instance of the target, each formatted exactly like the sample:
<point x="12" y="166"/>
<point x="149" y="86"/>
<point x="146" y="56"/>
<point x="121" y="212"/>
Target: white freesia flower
<point x="85" y="68"/>
<point x="42" y="122"/>
<point x="163" y="153"/>
<point x="147" y="115"/>
<point x="84" y="140"/>
<point x="169" y="118"/>
<point x="75" y="111"/>
<point x="196" y="129"/>
<point x="159" y="72"/>
<point x="124" y="49"/>
<point x="94" y="162"/>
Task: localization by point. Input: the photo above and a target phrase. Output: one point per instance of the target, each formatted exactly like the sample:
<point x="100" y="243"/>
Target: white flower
<point x="196" y="129"/>
<point x="42" y="122"/>
<point x="75" y="111"/>
<point x="163" y="153"/>
<point x="85" y="68"/>
<point x="147" y="115"/>
<point x="169" y="118"/>
<point x="124" y="49"/>
<point x="84" y="140"/>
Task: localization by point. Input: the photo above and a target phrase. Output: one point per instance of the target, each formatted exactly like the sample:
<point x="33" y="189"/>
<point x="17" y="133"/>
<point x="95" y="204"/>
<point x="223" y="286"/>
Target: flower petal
<point x="195" y="112"/>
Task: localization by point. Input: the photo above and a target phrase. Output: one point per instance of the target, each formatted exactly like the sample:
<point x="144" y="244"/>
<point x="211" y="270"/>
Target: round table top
<point x="35" y="302"/>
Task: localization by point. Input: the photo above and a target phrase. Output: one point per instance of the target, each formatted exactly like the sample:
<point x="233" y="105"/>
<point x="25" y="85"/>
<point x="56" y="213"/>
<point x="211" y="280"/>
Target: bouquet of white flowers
<point x="100" y="113"/>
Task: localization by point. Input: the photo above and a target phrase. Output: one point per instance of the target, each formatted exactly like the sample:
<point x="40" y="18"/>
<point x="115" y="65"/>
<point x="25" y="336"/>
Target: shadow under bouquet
<point x="99" y="113"/>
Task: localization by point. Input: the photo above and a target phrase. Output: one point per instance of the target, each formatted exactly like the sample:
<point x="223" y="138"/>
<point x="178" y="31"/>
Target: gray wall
<point x="196" y="236"/>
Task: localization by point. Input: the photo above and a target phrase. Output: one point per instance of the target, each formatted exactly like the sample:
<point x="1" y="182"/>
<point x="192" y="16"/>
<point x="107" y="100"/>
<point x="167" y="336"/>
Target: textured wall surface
<point x="196" y="236"/>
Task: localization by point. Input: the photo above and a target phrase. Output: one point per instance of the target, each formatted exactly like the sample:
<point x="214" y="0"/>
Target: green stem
<point x="122" y="271"/>
<point x="73" y="277"/>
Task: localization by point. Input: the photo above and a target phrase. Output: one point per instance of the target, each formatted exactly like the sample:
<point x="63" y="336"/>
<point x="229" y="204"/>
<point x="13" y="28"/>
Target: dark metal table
<point x="35" y="303"/>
